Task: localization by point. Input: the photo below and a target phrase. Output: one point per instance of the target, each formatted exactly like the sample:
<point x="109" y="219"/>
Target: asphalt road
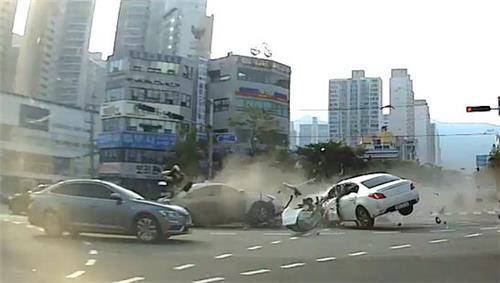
<point x="466" y="249"/>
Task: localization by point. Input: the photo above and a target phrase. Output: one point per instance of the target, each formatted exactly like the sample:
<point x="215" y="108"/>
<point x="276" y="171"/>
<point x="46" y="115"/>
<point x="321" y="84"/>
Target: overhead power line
<point x="401" y="136"/>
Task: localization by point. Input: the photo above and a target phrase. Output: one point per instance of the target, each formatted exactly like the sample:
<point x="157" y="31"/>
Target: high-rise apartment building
<point x="54" y="53"/>
<point x="186" y="30"/>
<point x="96" y="82"/>
<point x="315" y="132"/>
<point x="402" y="116"/>
<point x="354" y="107"/>
<point x="424" y="133"/>
<point x="7" y="15"/>
<point x="73" y="57"/>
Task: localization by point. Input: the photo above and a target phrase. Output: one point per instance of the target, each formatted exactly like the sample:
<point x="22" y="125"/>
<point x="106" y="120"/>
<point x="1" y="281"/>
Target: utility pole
<point x="210" y="138"/>
<point x="92" y="144"/>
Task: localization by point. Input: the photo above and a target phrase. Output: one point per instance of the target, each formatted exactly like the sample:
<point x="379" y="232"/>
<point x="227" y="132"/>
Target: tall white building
<point x="7" y="14"/>
<point x="354" y="107"/>
<point x="53" y="56"/>
<point x="315" y="132"/>
<point x="186" y="30"/>
<point x="424" y="133"/>
<point x="402" y="116"/>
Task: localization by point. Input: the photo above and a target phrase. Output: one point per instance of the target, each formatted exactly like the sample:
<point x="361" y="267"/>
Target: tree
<point x="323" y="160"/>
<point x="189" y="152"/>
<point x="259" y="127"/>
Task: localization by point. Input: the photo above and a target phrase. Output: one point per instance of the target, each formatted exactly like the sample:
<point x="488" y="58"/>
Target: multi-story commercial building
<point x="239" y="81"/>
<point x="42" y="142"/>
<point x="137" y="131"/>
<point x="424" y="132"/>
<point x="313" y="133"/>
<point x="53" y="57"/>
<point x="354" y="107"/>
<point x="402" y="115"/>
<point x="386" y="146"/>
<point x="292" y="143"/>
<point x="7" y="15"/>
<point x="186" y="30"/>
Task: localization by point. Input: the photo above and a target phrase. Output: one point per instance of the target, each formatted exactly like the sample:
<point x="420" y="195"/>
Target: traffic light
<point x="175" y="116"/>
<point x="478" y="108"/>
<point x="145" y="107"/>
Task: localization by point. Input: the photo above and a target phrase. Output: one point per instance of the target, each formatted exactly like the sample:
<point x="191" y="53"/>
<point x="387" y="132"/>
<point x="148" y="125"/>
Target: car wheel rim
<point x="262" y="214"/>
<point x="363" y="217"/>
<point x="146" y="229"/>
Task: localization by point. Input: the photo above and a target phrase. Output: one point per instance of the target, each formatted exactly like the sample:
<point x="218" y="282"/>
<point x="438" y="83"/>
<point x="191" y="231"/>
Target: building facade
<point x="354" y="107"/>
<point x="402" y="113"/>
<point x="42" y="142"/>
<point x="240" y="81"/>
<point x="424" y="133"/>
<point x="96" y="79"/>
<point x="293" y="137"/>
<point x="7" y="15"/>
<point x="138" y="135"/>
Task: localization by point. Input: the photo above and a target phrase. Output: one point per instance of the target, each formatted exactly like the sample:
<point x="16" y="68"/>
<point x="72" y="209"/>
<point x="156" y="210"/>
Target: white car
<point x="365" y="197"/>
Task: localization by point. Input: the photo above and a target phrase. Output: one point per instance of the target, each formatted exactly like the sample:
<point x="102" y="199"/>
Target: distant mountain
<point x="461" y="142"/>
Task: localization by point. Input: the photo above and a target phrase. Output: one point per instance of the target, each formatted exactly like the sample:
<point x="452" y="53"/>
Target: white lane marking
<point x="209" y="280"/>
<point x="386" y="232"/>
<point x="477" y="213"/>
<point x="489" y="228"/>
<point x="75" y="274"/>
<point x="184" y="266"/>
<point x="491" y="212"/>
<point x="6" y="220"/>
<point x="130" y="280"/>
<point x="448" y="213"/>
<point x="275" y="242"/>
<point x="325" y="259"/>
<point x="86" y="243"/>
<point x="93" y="252"/>
<point x="90" y="262"/>
<point x="223" y="233"/>
<point x="223" y="256"/>
<point x="438" y="241"/>
<point x="254" y="272"/>
<point x="294" y="238"/>
<point x="332" y="233"/>
<point x="16" y="222"/>
<point x="462" y="213"/>
<point x="400" y="247"/>
<point x="293" y="265"/>
<point x="473" y="235"/>
<point x="442" y="230"/>
<point x="30" y="226"/>
<point x="254" y="248"/>
<point x="276" y="234"/>
<point x="357" y="254"/>
<point x="40" y="229"/>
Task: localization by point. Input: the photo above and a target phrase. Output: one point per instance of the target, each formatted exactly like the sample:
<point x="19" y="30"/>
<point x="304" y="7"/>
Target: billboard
<point x="137" y="140"/>
<point x="482" y="160"/>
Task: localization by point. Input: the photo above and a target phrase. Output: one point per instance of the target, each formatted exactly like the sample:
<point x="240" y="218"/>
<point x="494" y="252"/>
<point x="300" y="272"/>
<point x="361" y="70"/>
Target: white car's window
<point x="380" y="180"/>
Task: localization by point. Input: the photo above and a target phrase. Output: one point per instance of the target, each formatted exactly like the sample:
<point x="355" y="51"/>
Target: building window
<point x="185" y="100"/>
<point x="115" y="66"/>
<point x="171" y="97"/>
<point x="34" y="118"/>
<point x="152" y="95"/>
<point x="137" y="93"/>
<point x="221" y="104"/>
<point x="114" y="94"/>
<point x="111" y="125"/>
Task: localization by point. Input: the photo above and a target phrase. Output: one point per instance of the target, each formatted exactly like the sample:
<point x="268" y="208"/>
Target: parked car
<point x="103" y="207"/>
<point x="217" y="203"/>
<point x="18" y="203"/>
<point x="363" y="198"/>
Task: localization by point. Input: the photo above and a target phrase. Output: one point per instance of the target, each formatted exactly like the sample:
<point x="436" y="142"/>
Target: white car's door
<point x="347" y="203"/>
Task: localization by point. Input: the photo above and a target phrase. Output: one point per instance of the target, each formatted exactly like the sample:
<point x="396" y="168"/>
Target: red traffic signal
<point x="478" y="108"/>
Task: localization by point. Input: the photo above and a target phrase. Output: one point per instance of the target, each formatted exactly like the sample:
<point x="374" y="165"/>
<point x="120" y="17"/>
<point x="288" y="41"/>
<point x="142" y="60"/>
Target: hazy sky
<point x="451" y="48"/>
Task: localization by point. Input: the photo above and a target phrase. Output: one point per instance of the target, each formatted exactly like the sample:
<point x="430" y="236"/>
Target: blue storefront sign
<point x="153" y="141"/>
<point x="226" y="138"/>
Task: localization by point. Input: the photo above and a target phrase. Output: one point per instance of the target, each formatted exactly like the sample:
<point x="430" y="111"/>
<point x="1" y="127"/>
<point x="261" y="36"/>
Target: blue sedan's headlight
<point x="170" y="214"/>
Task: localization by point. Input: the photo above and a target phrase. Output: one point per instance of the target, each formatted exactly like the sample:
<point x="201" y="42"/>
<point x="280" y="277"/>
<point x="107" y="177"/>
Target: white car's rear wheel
<point x="406" y="210"/>
<point x="364" y="218"/>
